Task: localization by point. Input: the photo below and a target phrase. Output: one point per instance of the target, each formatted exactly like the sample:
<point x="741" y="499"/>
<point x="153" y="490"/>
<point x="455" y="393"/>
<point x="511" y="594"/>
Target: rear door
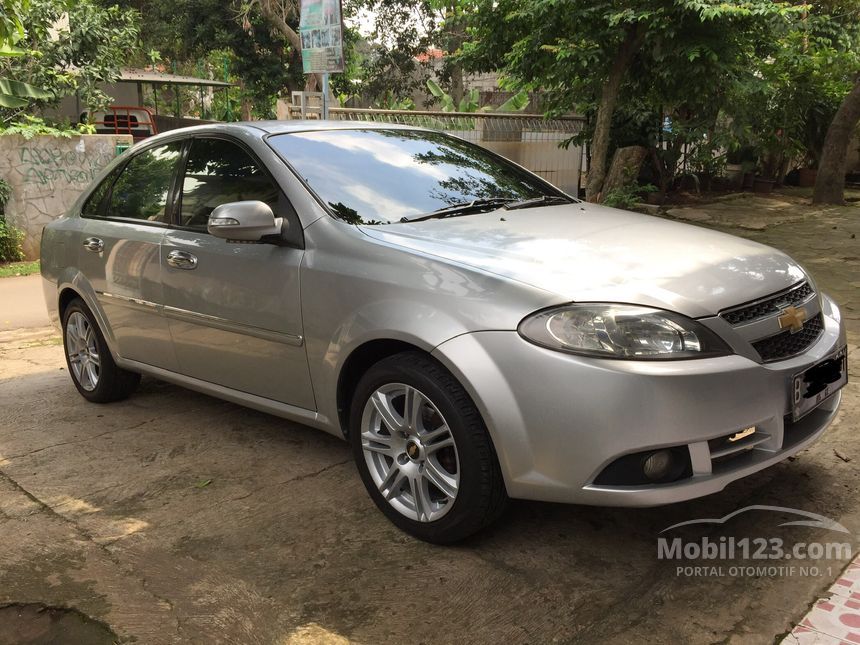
<point x="124" y="222"/>
<point x="233" y="308"/>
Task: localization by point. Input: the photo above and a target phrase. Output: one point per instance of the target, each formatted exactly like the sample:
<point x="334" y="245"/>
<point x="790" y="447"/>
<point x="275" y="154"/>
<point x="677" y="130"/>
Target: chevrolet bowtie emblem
<point x="792" y="318"/>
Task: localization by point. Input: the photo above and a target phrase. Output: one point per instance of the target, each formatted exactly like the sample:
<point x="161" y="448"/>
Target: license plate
<point x="814" y="385"/>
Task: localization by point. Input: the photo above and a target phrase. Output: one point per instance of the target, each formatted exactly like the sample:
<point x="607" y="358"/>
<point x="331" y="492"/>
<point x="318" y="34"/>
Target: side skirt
<point x="276" y="408"/>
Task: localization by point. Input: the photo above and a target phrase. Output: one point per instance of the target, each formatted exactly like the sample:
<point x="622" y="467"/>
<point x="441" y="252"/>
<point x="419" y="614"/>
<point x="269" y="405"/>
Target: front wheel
<point x="91" y="366"/>
<point x="423" y="451"/>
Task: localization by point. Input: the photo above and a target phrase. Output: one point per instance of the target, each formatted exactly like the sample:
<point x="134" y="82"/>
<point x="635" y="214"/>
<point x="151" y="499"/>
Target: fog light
<point x="657" y="465"/>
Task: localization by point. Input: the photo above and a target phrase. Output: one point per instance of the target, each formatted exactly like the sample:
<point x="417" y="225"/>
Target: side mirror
<point x="248" y="221"/>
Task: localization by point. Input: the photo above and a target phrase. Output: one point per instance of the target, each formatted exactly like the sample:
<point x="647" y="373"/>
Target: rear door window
<point x="142" y="189"/>
<point x="94" y="206"/>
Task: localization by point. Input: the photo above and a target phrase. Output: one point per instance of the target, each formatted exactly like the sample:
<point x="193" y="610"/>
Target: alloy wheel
<point x="410" y="452"/>
<point x="82" y="351"/>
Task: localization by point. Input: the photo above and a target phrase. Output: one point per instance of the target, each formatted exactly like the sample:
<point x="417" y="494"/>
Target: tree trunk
<point x="830" y="183"/>
<point x="275" y="18"/>
<point x="625" y="167"/>
<point x="455" y="69"/>
<point x="269" y="10"/>
<point x="608" y="98"/>
<point x="456" y="87"/>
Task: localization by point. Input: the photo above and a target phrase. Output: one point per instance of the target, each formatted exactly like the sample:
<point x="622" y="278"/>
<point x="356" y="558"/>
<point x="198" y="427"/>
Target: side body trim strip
<point x="203" y="319"/>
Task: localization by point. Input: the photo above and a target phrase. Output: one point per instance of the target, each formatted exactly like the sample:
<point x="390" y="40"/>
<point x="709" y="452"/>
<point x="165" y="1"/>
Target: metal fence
<point x="527" y="139"/>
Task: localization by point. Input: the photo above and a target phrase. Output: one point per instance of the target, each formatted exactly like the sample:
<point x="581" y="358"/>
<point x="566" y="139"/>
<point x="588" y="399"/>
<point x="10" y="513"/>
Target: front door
<point x="234" y="309"/>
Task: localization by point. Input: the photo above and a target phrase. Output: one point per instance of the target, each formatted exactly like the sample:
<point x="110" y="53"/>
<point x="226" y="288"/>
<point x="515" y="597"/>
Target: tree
<point x="197" y="37"/>
<point x="393" y="60"/>
<point x="77" y="59"/>
<point x="12" y="22"/>
<point x="283" y="15"/>
<point x="15" y="93"/>
<point x="830" y="183"/>
<point x="580" y="53"/>
<point x="844" y="38"/>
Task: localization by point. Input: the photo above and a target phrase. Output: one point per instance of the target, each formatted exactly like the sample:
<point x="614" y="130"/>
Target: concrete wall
<point x="47" y="174"/>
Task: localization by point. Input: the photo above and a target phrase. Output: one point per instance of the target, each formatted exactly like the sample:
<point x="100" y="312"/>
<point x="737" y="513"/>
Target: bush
<point x="5" y="194"/>
<point x="10" y="243"/>
<point x="10" y="237"/>
<point x="627" y="196"/>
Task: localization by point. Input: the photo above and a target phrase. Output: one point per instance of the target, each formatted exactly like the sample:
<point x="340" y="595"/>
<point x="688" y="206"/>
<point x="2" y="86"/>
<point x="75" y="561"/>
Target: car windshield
<point x="370" y="176"/>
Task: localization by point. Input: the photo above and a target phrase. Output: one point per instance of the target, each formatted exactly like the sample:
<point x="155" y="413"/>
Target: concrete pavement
<point x="22" y="305"/>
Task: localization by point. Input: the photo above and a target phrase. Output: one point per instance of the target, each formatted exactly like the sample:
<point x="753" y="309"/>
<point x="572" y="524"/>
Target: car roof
<point x="263" y="128"/>
<point x="280" y="127"/>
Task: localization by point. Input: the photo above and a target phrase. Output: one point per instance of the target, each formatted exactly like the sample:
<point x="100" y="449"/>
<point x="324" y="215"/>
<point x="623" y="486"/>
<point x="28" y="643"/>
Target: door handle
<point x="94" y="244"/>
<point x="182" y="260"/>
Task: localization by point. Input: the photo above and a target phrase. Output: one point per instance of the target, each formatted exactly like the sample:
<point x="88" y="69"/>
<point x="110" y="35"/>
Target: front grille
<point x="785" y="344"/>
<point x="769" y="306"/>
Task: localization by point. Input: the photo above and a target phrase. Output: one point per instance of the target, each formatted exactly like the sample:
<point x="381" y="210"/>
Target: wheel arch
<point x="361" y="359"/>
<point x="66" y="295"/>
<point x="71" y="285"/>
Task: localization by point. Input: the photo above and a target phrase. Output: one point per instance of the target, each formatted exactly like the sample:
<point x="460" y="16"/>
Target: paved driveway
<point x="175" y="517"/>
<point x="22" y="304"/>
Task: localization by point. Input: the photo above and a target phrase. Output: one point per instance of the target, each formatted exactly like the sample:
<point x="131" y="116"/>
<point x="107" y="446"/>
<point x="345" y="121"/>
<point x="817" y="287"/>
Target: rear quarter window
<point x="94" y="205"/>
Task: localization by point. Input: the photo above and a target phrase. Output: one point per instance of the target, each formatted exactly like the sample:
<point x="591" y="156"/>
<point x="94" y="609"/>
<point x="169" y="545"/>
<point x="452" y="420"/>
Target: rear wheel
<point x="422" y="450"/>
<point x="89" y="360"/>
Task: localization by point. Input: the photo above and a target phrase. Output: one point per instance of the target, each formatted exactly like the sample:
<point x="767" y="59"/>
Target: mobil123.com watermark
<point x="727" y="555"/>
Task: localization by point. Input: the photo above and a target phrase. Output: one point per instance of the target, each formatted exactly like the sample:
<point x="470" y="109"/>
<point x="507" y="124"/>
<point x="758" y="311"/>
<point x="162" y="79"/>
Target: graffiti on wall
<point x="43" y="166"/>
<point x="47" y="174"/>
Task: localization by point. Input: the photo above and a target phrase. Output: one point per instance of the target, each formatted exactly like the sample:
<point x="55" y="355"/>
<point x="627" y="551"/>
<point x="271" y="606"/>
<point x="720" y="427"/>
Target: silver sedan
<point x="472" y="331"/>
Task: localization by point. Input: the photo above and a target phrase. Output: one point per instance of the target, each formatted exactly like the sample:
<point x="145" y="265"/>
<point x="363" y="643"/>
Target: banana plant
<point x="16" y="94"/>
<point x="390" y="102"/>
<point x="471" y="101"/>
<point x="446" y="99"/>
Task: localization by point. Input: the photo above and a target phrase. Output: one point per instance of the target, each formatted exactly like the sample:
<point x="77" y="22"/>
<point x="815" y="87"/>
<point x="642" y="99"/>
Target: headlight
<point x="621" y="331"/>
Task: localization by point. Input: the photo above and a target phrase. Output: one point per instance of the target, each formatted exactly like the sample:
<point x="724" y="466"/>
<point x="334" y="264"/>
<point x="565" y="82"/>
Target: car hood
<point x="584" y="252"/>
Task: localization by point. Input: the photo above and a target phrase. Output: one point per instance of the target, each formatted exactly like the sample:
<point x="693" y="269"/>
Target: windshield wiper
<point x="463" y="208"/>
<point x="537" y="201"/>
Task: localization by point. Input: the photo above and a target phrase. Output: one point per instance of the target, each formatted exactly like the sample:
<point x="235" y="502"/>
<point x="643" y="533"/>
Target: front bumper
<point x="558" y="420"/>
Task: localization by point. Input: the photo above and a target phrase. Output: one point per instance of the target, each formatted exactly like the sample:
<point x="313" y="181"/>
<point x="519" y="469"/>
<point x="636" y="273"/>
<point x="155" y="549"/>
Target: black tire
<point x="113" y="383"/>
<point x="481" y="495"/>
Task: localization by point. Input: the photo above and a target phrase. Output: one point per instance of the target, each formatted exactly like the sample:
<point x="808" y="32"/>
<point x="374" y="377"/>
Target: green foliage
<point x="10" y="243"/>
<point x="389" y="102"/>
<point x="392" y="59"/>
<point x="446" y="99"/>
<point x="12" y="22"/>
<point x="784" y="112"/>
<point x="471" y="100"/>
<point x="70" y="61"/>
<point x="15" y="269"/>
<point x="10" y="237"/>
<point x="196" y="37"/>
<point x="517" y="103"/>
<point x="14" y="93"/>
<point x="725" y="74"/>
<point x="32" y="126"/>
<point x="627" y="197"/>
<point x="5" y="194"/>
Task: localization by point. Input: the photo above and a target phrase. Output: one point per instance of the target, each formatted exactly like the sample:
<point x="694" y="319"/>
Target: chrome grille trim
<point x="768" y="306"/>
